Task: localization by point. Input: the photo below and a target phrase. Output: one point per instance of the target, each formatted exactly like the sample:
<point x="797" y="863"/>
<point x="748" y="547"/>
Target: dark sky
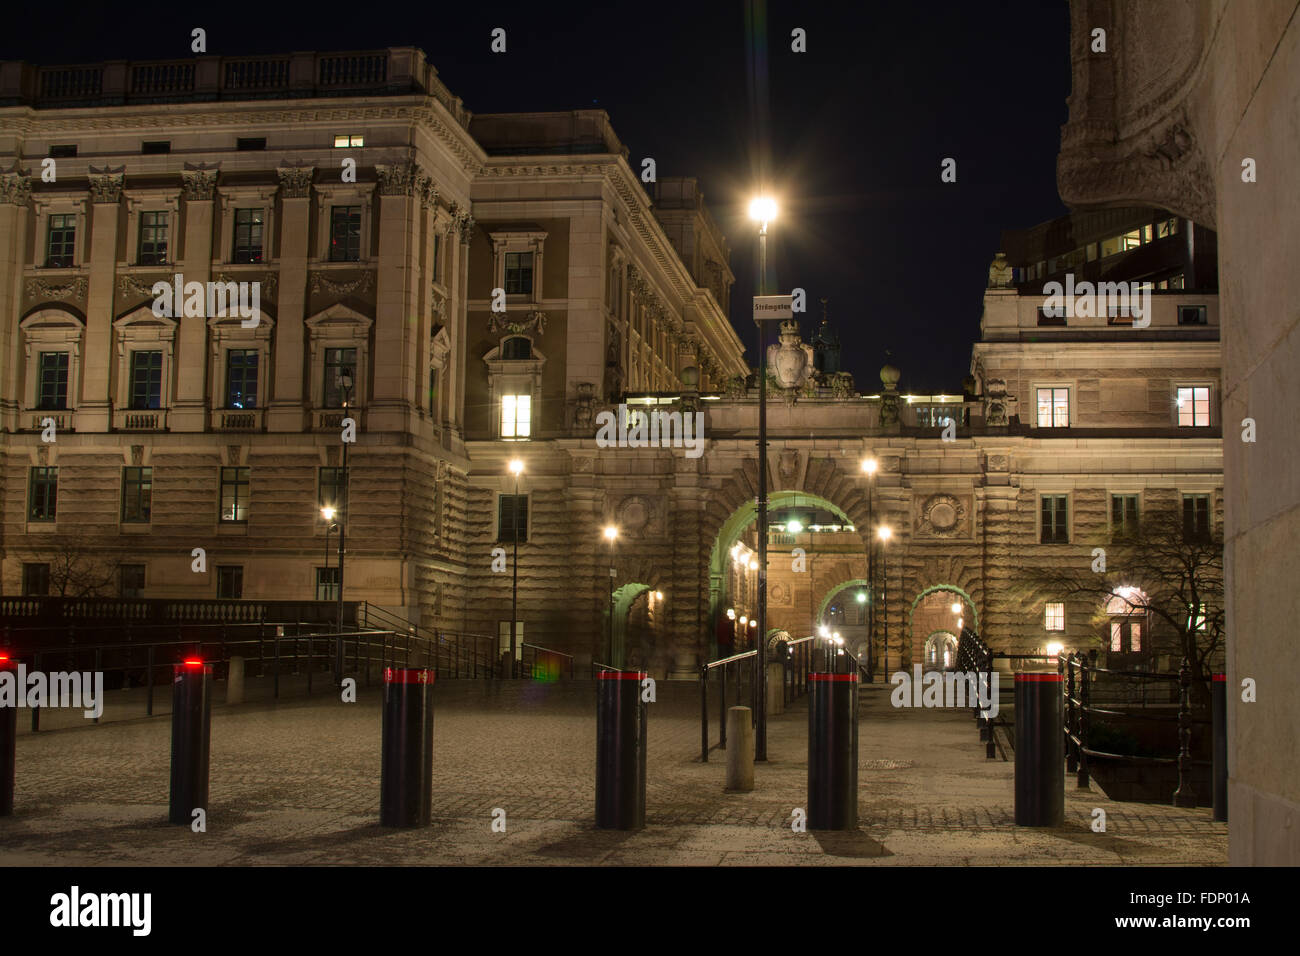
<point x="853" y="131"/>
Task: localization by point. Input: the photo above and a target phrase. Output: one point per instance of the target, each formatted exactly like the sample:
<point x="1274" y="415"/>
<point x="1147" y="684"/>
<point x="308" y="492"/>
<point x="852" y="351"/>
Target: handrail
<point x="548" y="650"/>
<point x="734" y="657"/>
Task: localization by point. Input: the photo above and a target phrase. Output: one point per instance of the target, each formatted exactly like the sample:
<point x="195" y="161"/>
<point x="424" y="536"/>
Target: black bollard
<point x="8" y="740"/>
<point x="620" y="750"/>
<point x="191" y="733"/>
<point x="406" y="764"/>
<point x="1040" y="751"/>
<point x="1219" y="713"/>
<point x="833" y="752"/>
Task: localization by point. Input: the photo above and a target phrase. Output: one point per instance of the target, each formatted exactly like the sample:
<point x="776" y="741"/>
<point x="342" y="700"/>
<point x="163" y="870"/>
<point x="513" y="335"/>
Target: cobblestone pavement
<point x="298" y="783"/>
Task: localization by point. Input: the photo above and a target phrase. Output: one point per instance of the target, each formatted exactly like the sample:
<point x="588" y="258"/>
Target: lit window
<point x="516" y="416"/>
<point x="353" y="139"/>
<point x="1055" y="617"/>
<point x="1130" y="240"/>
<point x="1134" y="636"/>
<point x="1194" y="406"/>
<point x="1053" y="407"/>
<point x="1166" y="228"/>
<point x="42" y="495"/>
<point x="241" y="378"/>
<point x="234" y="494"/>
<point x="1116" y="636"/>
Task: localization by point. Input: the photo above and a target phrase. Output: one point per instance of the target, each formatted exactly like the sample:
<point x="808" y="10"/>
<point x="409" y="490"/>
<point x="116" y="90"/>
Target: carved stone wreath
<point x="534" y="322"/>
<point x="942" y="516"/>
<point x="73" y="289"/>
<point x="360" y="284"/>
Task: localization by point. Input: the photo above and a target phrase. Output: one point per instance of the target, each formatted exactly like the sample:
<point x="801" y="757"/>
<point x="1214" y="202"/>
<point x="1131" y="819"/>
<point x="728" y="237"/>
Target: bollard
<point x="235" y="681"/>
<point x="1040" y="751"/>
<point x="406" y="764"/>
<point x="833" y="752"/>
<point x="191" y="726"/>
<point x="1219" y="708"/>
<point x="620" y="750"/>
<point x="8" y="740"/>
<point x="740" y="756"/>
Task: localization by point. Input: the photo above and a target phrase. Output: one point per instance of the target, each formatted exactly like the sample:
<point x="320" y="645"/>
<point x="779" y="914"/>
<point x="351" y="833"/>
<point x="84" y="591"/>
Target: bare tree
<point x="79" y="566"/>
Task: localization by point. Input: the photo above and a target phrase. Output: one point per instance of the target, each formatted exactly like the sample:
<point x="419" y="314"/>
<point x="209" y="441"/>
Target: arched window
<point x="516" y="347"/>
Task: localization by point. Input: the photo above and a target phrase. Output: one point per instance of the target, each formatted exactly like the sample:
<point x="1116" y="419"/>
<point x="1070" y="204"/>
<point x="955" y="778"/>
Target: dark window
<point x="234" y="494"/>
<point x="327" y="584"/>
<point x="152" y="147"/>
<point x="1191" y="315"/>
<point x="153" y="238"/>
<point x="1196" y="517"/>
<point x="1123" y="514"/>
<point x="63" y="152"/>
<point x="61" y="242"/>
<point x="52" y="384"/>
<point x="1055" y="523"/>
<point x="42" y="494"/>
<point x="519" y="273"/>
<point x="137" y="494"/>
<point x="146" y="379"/>
<point x="330" y="489"/>
<point x="250" y="142"/>
<point x="433" y="389"/>
<point x="241" y="378"/>
<point x="248" y="235"/>
<point x="1048" y="316"/>
<point x="345" y="233"/>
<point x="36" y="580"/>
<point x="517" y="347"/>
<point x="130" y="580"/>
<point x="437" y="251"/>
<point x="336" y="362"/>
<point x="230" y="581"/>
<point x="512" y="508"/>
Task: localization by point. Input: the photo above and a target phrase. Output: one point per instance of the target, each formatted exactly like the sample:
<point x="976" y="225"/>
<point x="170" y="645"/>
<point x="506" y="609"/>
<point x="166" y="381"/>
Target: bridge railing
<point x="737" y="667"/>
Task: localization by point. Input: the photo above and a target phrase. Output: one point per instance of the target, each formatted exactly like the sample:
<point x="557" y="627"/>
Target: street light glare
<point x="862" y="597"/>
<point x="611" y="532"/>
<point x="956" y="608"/>
<point x="884" y="533"/>
<point x="762" y="209"/>
<point x="869" y="465"/>
<point x="517" y="467"/>
<point x="659" y="595"/>
<point x="794" y="526"/>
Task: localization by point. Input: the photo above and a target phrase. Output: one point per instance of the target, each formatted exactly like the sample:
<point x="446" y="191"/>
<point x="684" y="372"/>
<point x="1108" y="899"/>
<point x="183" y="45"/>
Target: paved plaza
<point x="296" y="782"/>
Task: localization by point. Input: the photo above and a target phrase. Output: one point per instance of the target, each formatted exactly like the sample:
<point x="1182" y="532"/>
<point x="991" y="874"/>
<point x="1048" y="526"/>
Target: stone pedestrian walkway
<point x="297" y="782"/>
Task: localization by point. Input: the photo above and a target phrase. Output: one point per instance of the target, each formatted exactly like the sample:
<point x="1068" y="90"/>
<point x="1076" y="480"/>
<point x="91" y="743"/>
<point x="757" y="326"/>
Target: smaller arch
<point x="945" y="587"/>
<point x="836" y="589"/>
<point x="516" y="348"/>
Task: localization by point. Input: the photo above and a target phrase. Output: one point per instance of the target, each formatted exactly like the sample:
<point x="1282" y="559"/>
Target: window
<point x="330" y="488"/>
<point x="338" y="361"/>
<point x="241" y="378"/>
<point x="1191" y="315"/>
<point x="155" y="147"/>
<point x="1092" y="251"/>
<point x="153" y="238"/>
<point x="146" y="379"/>
<point x="519" y="273"/>
<point x="516" y="348"/>
<point x="1123" y="514"/>
<point x="36" y="580"/>
<point x="1053" y="407"/>
<point x="1049" y="317"/>
<point x="52" y="383"/>
<point x="1193" y="406"/>
<point x="1110" y="247"/>
<point x="351" y="139"/>
<point x="42" y="494"/>
<point x="234" y="494"/>
<point x="137" y="494"/>
<point x="433" y="389"/>
<point x="130" y="580"/>
<point x="1116" y="636"/>
<point x="437" y="254"/>
<point x="1166" y="228"/>
<point x="1055" y="523"/>
<point x="246" y="143"/>
<point x="63" y="152"/>
<point x="503" y="636"/>
<point x="512" y="509"/>
<point x="327" y="584"/>
<point x="248" y="234"/>
<point x="516" y="415"/>
<point x="1055" y="617"/>
<point x="61" y="241"/>
<point x="230" y="581"/>
<point x="1130" y="240"/>
<point x="345" y="233"/>
<point x="1196" y="517"/>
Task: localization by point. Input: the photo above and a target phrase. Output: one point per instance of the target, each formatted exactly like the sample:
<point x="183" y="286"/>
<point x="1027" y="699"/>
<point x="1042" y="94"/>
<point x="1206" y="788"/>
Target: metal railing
<point x="723" y="666"/>
<point x="543" y="663"/>
<point x="455" y="655"/>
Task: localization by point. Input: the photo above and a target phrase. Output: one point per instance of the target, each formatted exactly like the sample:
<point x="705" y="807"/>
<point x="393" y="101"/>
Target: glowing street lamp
<point x="611" y="535"/>
<point x="884" y="533"/>
<point x="328" y="514"/>
<point x="956" y="607"/>
<point x="516" y="468"/>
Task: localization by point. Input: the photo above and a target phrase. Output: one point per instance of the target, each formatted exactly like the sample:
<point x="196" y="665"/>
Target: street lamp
<point x="884" y="533"/>
<point x="516" y="469"/>
<point x="328" y="514"/>
<point x="345" y="382"/>
<point x="762" y="209"/>
<point x="869" y="466"/>
<point x="611" y="535"/>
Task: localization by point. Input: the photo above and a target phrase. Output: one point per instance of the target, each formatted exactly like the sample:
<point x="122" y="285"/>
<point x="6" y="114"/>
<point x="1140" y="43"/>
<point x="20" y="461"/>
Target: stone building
<point x="491" y="288"/>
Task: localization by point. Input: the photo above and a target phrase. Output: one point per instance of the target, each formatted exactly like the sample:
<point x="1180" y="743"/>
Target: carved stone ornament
<point x="941" y="516"/>
<point x="1000" y="272"/>
<point x="791" y="360"/>
<point x="295" y="181"/>
<point x="199" y="182"/>
<point x="995" y="402"/>
<point x="788" y="464"/>
<point x="466" y="226"/>
<point x="15" y="188"/>
<point x="500" y="323"/>
<point x="268" y="282"/>
<point x="106" y="184"/>
<point x="736" y="387"/>
<point x="319" y="282"/>
<point x="634" y="514"/>
<point x="842" y="387"/>
<point x="998" y="463"/>
<point x="139" y="285"/>
<point x="396" y="179"/>
<point x="74" y="288"/>
<point x="583" y="414"/>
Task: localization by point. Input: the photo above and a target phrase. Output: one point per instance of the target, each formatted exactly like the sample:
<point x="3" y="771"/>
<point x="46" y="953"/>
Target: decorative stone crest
<point x="295" y="181"/>
<point x="199" y="181"/>
<point x="74" y="288"/>
<point x="791" y="360"/>
<point x="788" y="464"/>
<point x="499" y="322"/>
<point x="998" y="463"/>
<point x="584" y="418"/>
<point x="137" y="455"/>
<point x="941" y="516"/>
<point x="1000" y="272"/>
<point x="635" y="514"/>
<point x="106" y="184"/>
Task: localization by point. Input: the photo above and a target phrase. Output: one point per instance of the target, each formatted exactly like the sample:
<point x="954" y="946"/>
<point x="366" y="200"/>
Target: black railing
<point x="736" y="663"/>
<point x="57" y="613"/>
<point x="543" y="663"/>
<point x="454" y="655"/>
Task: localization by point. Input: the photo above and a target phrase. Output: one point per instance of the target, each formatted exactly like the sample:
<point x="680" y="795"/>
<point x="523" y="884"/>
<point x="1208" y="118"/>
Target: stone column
<point x="396" y="303"/>
<point x="15" y="199"/>
<point x="584" y="346"/>
<point x="190" y="405"/>
<point x="689" y="597"/>
<point x="95" y="407"/>
<point x="285" y="411"/>
<point x="462" y="228"/>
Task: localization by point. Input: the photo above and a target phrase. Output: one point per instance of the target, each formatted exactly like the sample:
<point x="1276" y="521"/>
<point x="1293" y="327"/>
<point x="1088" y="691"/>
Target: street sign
<point x="773" y="307"/>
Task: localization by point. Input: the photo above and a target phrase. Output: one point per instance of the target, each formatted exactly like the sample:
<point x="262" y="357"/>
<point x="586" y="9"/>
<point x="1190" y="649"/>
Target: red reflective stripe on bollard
<point x="408" y="675"/>
<point x="837" y="677"/>
<point x="1039" y="678"/>
<point x="622" y="675"/>
<point x="1220" y="677"/>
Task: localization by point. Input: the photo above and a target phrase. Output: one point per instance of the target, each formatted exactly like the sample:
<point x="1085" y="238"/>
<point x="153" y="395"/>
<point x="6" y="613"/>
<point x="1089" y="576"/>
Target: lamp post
<point x="885" y="533"/>
<point x="516" y="469"/>
<point x="869" y="466"/>
<point x="611" y="535"/>
<point x="328" y="513"/>
<point x="345" y="382"/>
<point x="763" y="211"/>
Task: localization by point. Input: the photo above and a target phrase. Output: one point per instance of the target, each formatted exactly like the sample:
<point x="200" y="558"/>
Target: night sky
<point x="850" y="135"/>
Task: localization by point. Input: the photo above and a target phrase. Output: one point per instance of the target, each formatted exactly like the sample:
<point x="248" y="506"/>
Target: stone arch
<point x="625" y="596"/>
<point x="921" y="595"/>
<point x="836" y="589"/>
<point x="948" y="637"/>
